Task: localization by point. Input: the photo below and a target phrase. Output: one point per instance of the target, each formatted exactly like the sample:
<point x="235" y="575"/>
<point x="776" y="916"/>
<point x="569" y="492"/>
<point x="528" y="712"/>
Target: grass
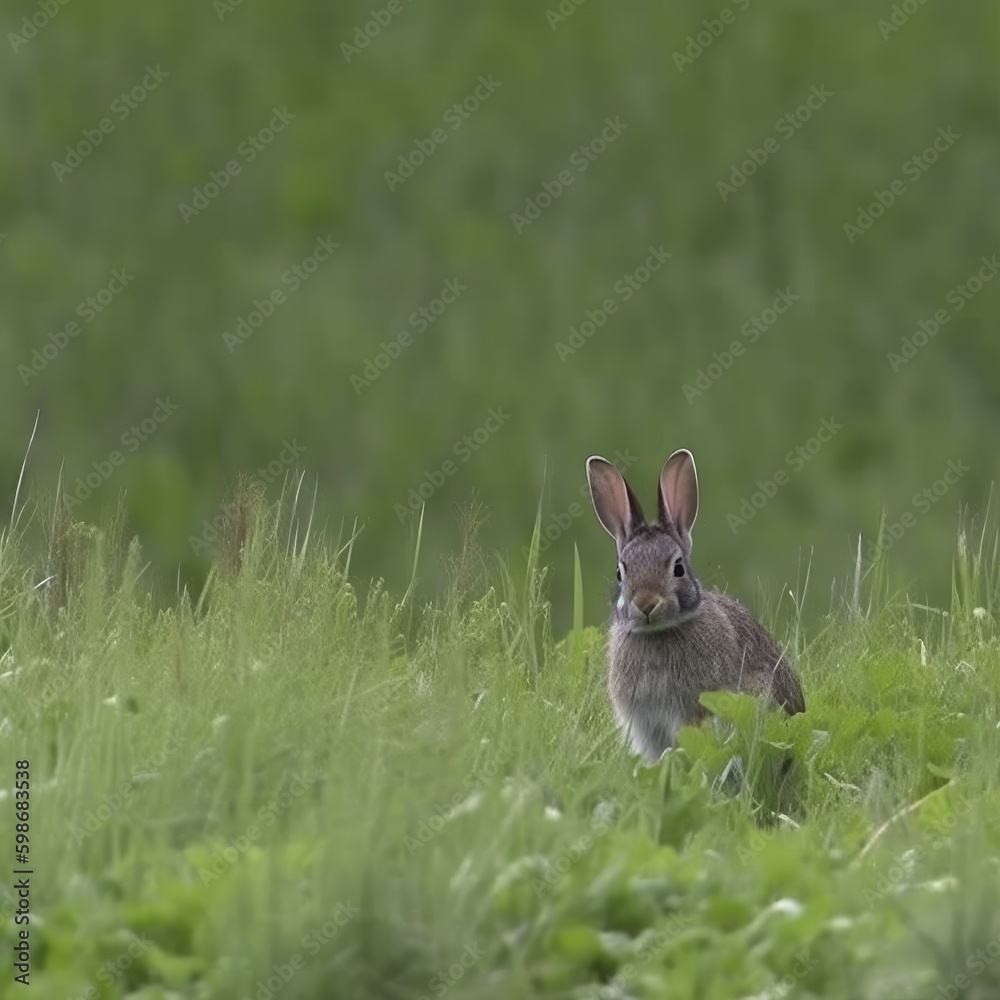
<point x="280" y="787"/>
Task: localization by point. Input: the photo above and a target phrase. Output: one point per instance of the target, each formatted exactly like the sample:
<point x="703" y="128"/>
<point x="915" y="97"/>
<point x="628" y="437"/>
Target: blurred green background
<point x="222" y="73"/>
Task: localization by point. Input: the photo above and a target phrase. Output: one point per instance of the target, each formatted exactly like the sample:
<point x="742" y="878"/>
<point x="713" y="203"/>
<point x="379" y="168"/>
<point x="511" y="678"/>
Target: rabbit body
<point x="670" y="640"/>
<point x="655" y="679"/>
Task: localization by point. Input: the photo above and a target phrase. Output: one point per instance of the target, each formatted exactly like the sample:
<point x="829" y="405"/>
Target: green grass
<point x="385" y="799"/>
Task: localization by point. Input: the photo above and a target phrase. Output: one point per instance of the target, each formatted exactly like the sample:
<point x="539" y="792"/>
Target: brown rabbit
<point x="670" y="639"/>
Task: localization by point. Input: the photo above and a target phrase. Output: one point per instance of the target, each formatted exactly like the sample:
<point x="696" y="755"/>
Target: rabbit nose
<point x="645" y="604"/>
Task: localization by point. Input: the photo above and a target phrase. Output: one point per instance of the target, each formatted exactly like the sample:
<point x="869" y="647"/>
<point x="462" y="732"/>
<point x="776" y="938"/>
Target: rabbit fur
<point x="670" y="638"/>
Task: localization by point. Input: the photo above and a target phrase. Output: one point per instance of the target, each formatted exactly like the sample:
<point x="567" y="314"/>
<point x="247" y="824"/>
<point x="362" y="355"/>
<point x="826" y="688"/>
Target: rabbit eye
<point x="678" y="568"/>
<point x="621" y="571"/>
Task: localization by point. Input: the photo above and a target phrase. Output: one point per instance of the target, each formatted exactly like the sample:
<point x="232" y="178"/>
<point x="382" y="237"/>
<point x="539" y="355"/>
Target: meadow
<point x="312" y="314"/>
<point x="280" y="786"/>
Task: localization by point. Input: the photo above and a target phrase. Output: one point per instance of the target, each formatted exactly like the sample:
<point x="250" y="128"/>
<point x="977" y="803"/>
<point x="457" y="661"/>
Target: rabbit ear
<point x="679" y="494"/>
<point x="614" y="502"/>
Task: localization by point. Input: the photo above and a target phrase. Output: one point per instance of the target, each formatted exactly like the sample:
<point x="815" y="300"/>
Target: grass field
<point x="433" y="252"/>
<point x="284" y="787"/>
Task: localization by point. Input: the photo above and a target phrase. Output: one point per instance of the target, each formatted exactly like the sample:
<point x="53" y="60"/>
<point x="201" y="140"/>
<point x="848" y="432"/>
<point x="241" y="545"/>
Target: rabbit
<point x="670" y="638"/>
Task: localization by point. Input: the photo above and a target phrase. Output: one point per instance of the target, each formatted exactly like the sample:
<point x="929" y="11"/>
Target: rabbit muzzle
<point x="649" y="611"/>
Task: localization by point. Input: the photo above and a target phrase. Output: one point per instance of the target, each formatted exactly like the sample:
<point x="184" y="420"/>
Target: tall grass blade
<point x="20" y="479"/>
<point x="577" y="593"/>
<point x="536" y="540"/>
